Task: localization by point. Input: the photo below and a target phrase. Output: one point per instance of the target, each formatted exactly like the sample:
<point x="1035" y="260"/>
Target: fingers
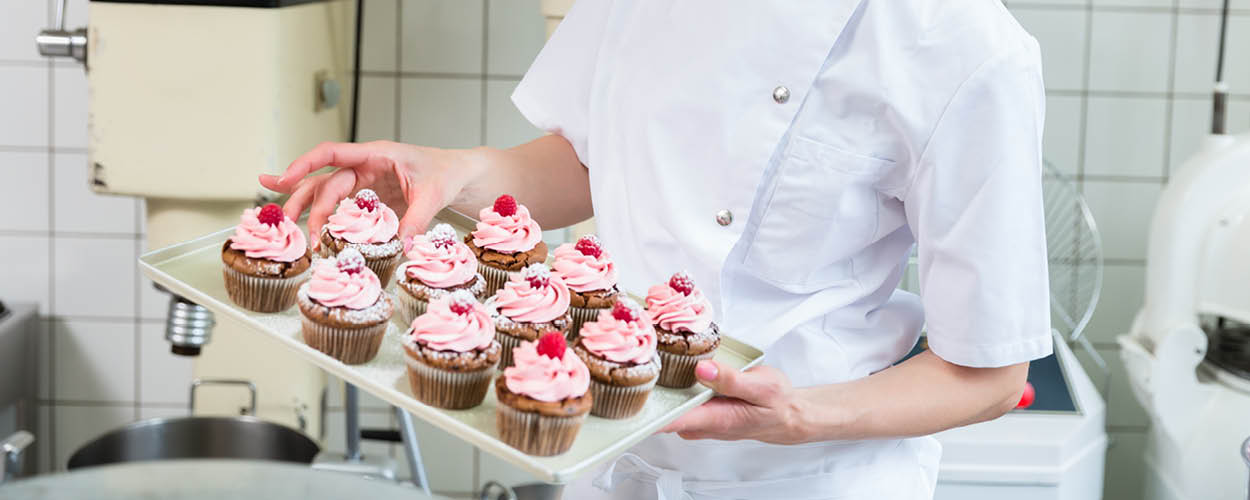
<point x="424" y="202"/>
<point x="720" y="418"/>
<point x="760" y="386"/>
<point x="336" y="187"/>
<point x="271" y="183"/>
<point x="339" y="154"/>
<point x="303" y="195"/>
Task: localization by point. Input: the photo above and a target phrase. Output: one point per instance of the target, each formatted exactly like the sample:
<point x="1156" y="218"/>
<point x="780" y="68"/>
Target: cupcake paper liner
<point x="614" y="401"/>
<point x="507" y="342"/>
<point x="261" y="294"/>
<point x="677" y="370"/>
<point x="349" y="345"/>
<point x="581" y="316"/>
<point x="447" y="389"/>
<point x="495" y="278"/>
<point x="409" y="307"/>
<point x="536" y="434"/>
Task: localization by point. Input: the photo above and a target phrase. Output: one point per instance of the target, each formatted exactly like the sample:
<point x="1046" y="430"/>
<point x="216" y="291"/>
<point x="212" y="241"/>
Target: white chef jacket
<point x="790" y="154"/>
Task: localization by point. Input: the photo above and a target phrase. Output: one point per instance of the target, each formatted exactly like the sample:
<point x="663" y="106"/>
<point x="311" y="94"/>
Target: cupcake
<point x="683" y="323"/>
<point x="370" y="227"/>
<point x="619" y="350"/>
<point x="587" y="269"/>
<point x="345" y="312"/>
<point x="452" y="352"/>
<point x="265" y="260"/>
<point x="506" y="240"/>
<point x="534" y="301"/>
<point x="438" y="264"/>
<point x="543" y="400"/>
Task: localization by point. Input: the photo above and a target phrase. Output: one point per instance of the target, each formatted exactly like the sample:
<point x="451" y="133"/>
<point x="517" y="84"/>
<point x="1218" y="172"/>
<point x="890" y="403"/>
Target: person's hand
<point x="415" y="181"/>
<point x="757" y="404"/>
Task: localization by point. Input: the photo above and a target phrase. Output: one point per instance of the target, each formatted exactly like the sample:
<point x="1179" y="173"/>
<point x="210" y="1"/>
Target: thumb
<point x="757" y="386"/>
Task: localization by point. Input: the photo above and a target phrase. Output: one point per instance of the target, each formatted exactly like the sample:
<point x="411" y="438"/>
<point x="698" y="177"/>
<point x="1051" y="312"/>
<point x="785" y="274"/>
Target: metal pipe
<point x="11" y="451"/>
<point x="351" y="412"/>
<point x="411" y="451"/>
<point x="1219" y="120"/>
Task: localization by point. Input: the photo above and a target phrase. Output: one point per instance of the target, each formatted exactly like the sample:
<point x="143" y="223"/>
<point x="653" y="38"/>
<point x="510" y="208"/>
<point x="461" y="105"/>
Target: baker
<point x="791" y="155"/>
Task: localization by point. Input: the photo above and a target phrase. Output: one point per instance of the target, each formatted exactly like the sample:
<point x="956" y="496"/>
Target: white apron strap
<point x="669" y="484"/>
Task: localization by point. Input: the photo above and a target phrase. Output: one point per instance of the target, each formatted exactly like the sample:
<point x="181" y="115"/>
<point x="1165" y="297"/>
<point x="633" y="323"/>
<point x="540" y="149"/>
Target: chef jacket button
<point x="724" y="217"/>
<point x="781" y="94"/>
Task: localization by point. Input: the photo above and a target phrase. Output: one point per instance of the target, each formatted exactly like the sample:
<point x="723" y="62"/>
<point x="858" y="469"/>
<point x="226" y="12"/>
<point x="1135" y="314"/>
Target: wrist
<point x="821" y="416"/>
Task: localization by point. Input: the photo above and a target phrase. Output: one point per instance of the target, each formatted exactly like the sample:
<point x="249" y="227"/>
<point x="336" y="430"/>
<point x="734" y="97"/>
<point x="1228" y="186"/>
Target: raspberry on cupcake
<point x="591" y="276"/>
<point x="366" y="224"/>
<point x="438" y="264"/>
<point x="452" y="352"/>
<point x="265" y="260"/>
<point x="344" y="310"/>
<point x="506" y="240"/>
<point x="544" y="398"/>
<point x="532" y="302"/>
<point x="683" y="323"/>
<point x="619" y="349"/>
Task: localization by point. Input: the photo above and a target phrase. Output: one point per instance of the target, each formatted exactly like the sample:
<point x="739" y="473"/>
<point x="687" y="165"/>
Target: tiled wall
<point x="1128" y="97"/>
<point x="1127" y="84"/>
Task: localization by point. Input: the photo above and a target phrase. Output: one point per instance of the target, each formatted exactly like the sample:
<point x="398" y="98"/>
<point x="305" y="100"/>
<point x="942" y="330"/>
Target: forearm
<point x="920" y="396"/>
<point x="544" y="174"/>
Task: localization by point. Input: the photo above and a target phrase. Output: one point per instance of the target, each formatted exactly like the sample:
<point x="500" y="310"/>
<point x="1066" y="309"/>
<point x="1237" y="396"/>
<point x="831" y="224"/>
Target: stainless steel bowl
<point x="197" y="437"/>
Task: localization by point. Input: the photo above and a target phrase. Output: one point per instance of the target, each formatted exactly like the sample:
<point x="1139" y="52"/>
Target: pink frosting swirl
<point x="440" y="265"/>
<point x="443" y="329"/>
<point x="283" y="243"/>
<point x="584" y="273"/>
<point x="620" y="341"/>
<point x="521" y="301"/>
<point x="357" y="225"/>
<point x="675" y="311"/>
<point x="332" y="287"/>
<point x="546" y="379"/>
<point x="512" y="234"/>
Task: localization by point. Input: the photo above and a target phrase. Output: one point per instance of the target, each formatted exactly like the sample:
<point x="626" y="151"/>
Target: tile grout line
<point x="1170" y="102"/>
<point x="51" y="308"/>
<point x="485" y="56"/>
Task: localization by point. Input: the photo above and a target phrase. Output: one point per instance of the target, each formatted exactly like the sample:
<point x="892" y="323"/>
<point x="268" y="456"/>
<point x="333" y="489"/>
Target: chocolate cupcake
<point x="438" y="264"/>
<point x="506" y="240"/>
<point x="265" y="261"/>
<point x="370" y="227"/>
<point x="452" y="352"/>
<point x="619" y="350"/>
<point x="587" y="269"/>
<point x="531" y="303"/>
<point x="684" y="327"/>
<point x="344" y="310"/>
<point x="543" y="400"/>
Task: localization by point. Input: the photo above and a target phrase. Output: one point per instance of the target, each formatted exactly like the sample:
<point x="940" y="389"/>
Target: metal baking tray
<point x="192" y="269"/>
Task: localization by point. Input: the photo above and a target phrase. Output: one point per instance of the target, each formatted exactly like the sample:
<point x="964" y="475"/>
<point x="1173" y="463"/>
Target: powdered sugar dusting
<point x="442" y="235"/>
<point x="350" y="261"/>
<point x="463" y="298"/>
<point x="376" y="313"/>
<point x="537" y="274"/>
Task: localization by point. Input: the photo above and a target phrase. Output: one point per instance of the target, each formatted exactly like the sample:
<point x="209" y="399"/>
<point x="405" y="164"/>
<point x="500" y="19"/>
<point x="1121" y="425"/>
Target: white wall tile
<point x="1125" y="465"/>
<point x="95" y="360"/>
<point x="1158" y="4"/>
<point x="1122" y="294"/>
<point x="24" y="192"/>
<point x="1062" y="36"/>
<point x="21" y="21"/>
<point x="442" y="36"/>
<point x="1125" y="136"/>
<point x="1129" y="51"/>
<point x="1122" y="210"/>
<point x="78" y="425"/>
<point x="441" y="112"/>
<point x="69" y="104"/>
<point x="153" y="303"/>
<point x="44" y="344"/>
<point x="336" y="428"/>
<point x="1213" y="4"/>
<point x="505" y="127"/>
<point x="378" y="49"/>
<point x="1197" y="38"/>
<point x="448" y="460"/>
<point x="516" y="31"/>
<point x="146" y="412"/>
<point x="26" y="270"/>
<point x="164" y="377"/>
<point x="94" y="277"/>
<point x="1062" y="137"/>
<point x="24" y="99"/>
<point x="79" y="209"/>
<point x="377" y="108"/>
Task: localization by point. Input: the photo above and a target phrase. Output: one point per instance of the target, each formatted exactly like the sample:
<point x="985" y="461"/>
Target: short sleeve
<point x="975" y="208"/>
<point x="554" y="95"/>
